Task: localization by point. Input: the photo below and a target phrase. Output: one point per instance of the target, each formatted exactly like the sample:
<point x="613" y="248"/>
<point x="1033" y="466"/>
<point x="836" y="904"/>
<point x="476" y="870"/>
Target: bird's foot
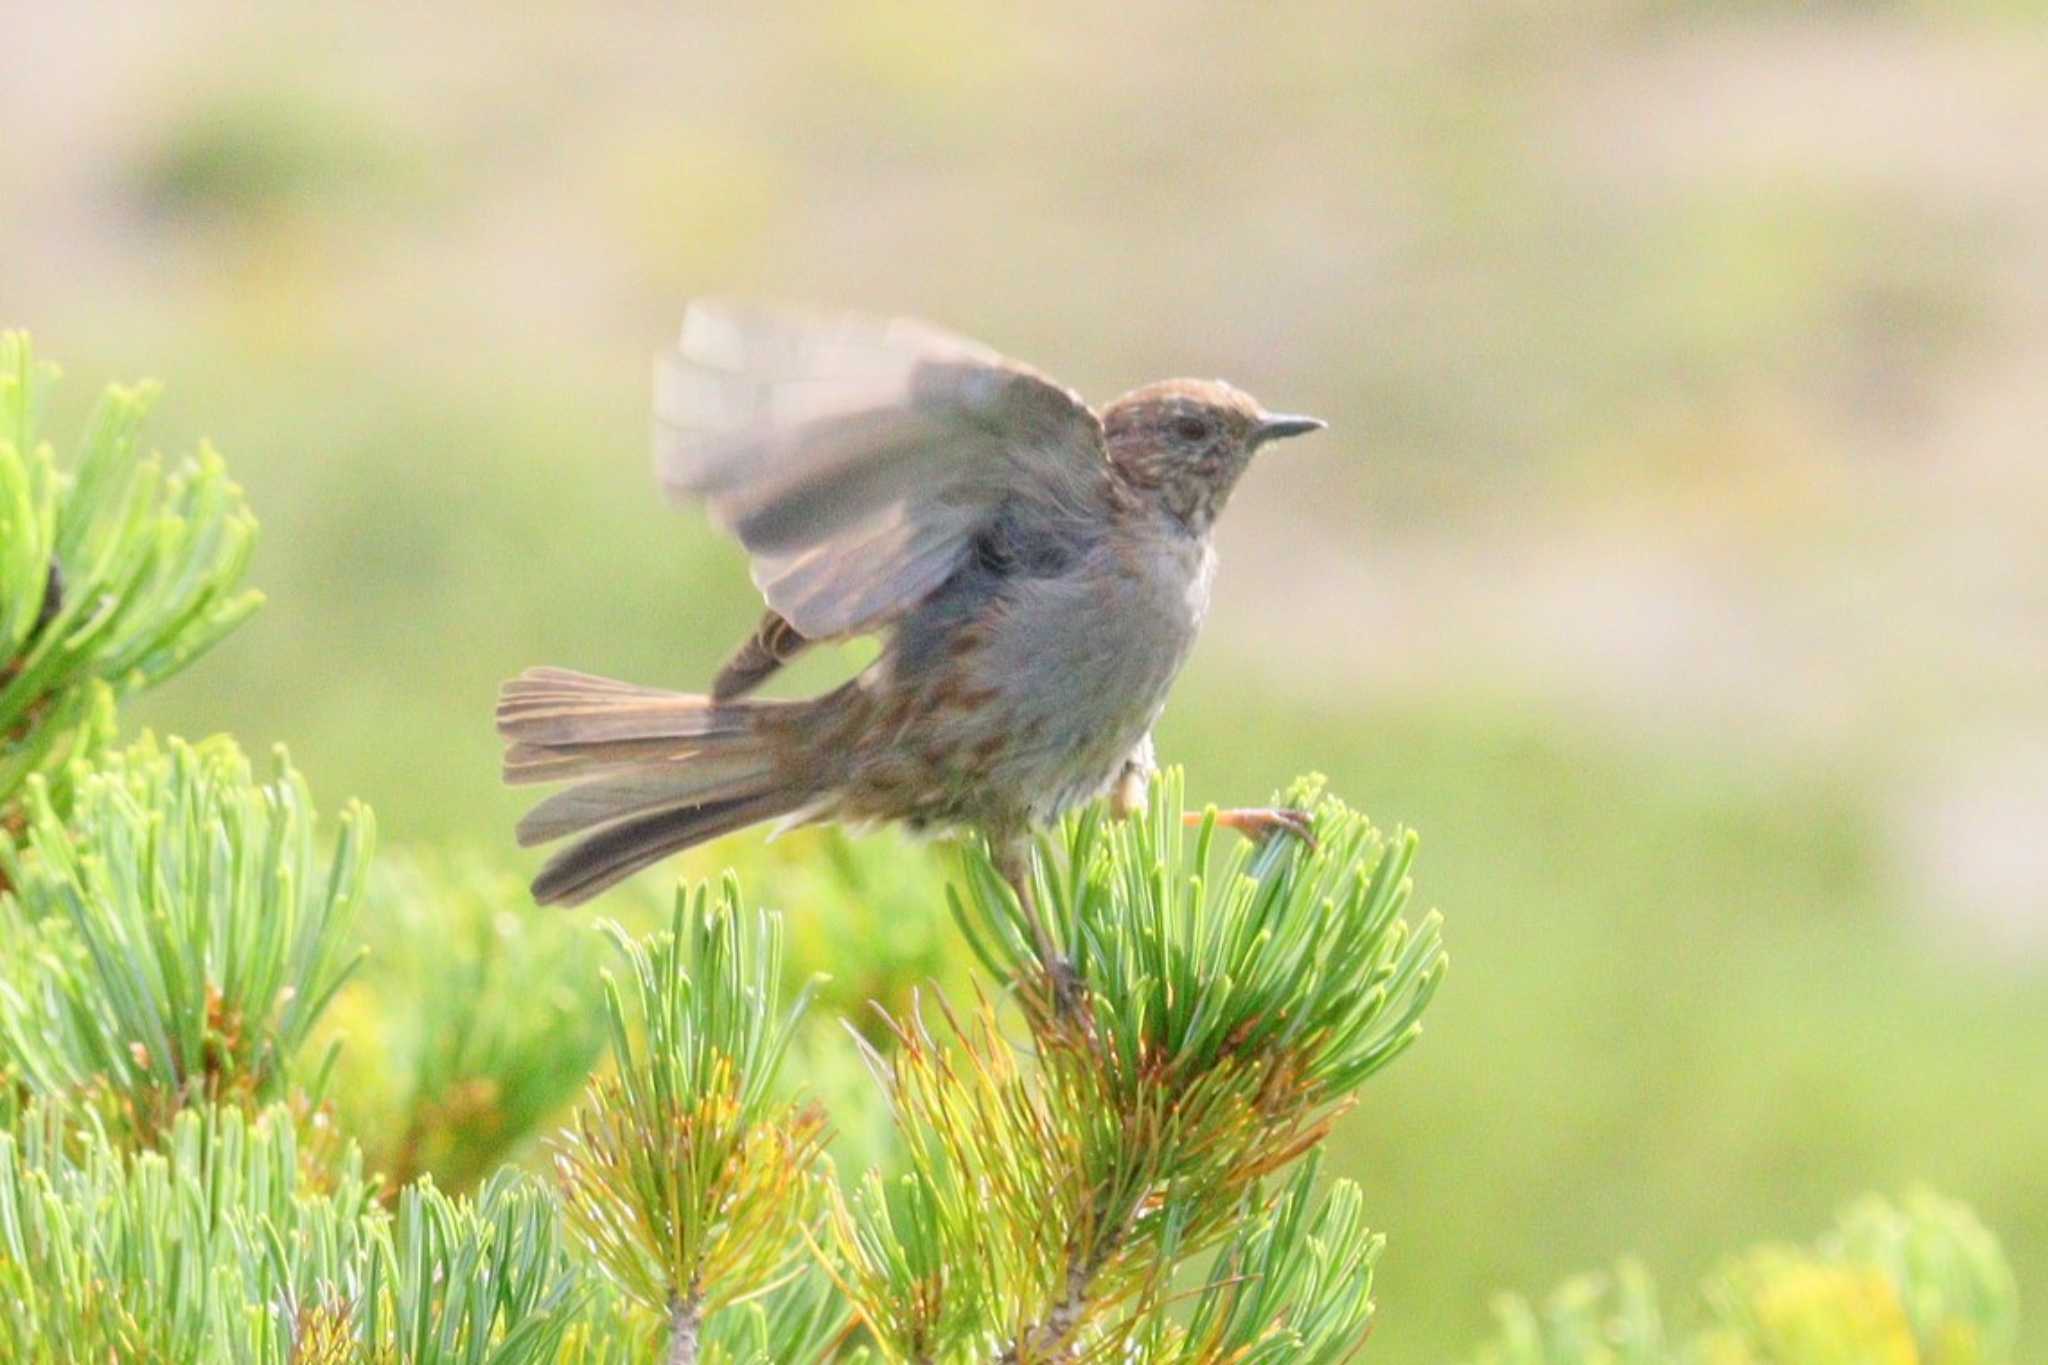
<point x="1261" y="823"/>
<point x="1069" y="994"/>
<point x="1056" y="993"/>
<point x="1065" y="995"/>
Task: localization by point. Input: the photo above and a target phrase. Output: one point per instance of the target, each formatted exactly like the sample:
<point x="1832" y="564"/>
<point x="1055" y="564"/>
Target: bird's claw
<point x="1262" y="823"/>
<point x="1056" y="991"/>
<point x="1069" y="995"/>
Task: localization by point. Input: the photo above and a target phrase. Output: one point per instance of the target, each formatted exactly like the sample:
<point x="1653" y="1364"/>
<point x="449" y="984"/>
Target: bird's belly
<point x="1024" y="703"/>
<point x="1074" y="711"/>
<point x="1080" y="670"/>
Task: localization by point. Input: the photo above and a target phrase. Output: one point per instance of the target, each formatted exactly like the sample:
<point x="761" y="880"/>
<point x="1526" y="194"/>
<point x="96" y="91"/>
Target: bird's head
<point x="1186" y="442"/>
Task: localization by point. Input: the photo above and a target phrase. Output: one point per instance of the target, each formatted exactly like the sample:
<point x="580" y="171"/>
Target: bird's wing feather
<point x="856" y="459"/>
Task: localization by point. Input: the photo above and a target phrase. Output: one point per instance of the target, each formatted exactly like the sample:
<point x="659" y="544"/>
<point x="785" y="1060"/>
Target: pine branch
<point x="1231" y="1013"/>
<point x="1293" y="1285"/>
<point x="685" y="1313"/>
<point x="175" y="939"/>
<point x="471" y="1025"/>
<point x="690" y="1183"/>
<point x="112" y="576"/>
<point x="227" y="1245"/>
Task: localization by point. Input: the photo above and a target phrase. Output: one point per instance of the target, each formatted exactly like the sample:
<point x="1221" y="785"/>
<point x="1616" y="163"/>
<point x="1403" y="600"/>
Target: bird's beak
<point x="1280" y="425"/>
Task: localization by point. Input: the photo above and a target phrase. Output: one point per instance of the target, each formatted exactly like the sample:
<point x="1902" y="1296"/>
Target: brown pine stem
<point x="683" y="1323"/>
<point x="1050" y="1338"/>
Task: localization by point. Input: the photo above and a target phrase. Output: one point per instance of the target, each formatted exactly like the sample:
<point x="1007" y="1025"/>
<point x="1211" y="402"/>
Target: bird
<point x="1037" y="572"/>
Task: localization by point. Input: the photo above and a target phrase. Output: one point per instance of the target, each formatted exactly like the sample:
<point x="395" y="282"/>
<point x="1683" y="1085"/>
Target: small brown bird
<point x="1038" y="573"/>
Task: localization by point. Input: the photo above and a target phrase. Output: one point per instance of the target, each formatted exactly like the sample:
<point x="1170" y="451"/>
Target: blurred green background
<point x="1676" y="561"/>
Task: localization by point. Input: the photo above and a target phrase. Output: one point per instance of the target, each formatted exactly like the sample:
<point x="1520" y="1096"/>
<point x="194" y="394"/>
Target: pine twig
<point x="1048" y="1339"/>
<point x="685" y="1318"/>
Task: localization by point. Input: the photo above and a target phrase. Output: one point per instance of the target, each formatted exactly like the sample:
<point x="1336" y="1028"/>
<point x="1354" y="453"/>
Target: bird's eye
<point x="1191" y="429"/>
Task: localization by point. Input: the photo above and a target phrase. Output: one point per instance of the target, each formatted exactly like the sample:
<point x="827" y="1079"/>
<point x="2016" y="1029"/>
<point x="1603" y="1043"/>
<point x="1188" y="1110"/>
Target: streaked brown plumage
<point x="1038" y="573"/>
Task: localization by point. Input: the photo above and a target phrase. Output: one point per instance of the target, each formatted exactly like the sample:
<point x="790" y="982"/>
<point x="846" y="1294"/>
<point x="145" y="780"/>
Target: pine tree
<point x="197" y="1052"/>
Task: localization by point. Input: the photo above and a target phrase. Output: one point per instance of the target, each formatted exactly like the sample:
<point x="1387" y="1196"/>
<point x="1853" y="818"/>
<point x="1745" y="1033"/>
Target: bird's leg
<point x="53" y="599"/>
<point x="1262" y="822"/>
<point x="1013" y="860"/>
<point x="53" y="603"/>
<point x="1133" y="785"/>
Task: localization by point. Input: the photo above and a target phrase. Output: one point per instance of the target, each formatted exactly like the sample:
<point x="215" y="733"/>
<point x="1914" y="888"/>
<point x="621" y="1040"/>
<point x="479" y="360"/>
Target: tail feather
<point x="598" y="720"/>
<point x="557" y="708"/>
<point x="617" y="851"/>
<point x="655" y="773"/>
<point x="529" y="763"/>
<point x="541" y="681"/>
<point x="646" y="787"/>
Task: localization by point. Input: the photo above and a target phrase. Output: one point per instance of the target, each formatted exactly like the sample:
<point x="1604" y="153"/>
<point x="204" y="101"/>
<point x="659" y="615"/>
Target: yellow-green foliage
<point x="234" y="1245"/>
<point x="113" y="575"/>
<point x="175" y="938"/>
<point x="1920" y="1282"/>
<point x="1917" y="1283"/>
<point x="473" y="1023"/>
<point x="1229" y="1006"/>
<point x="684" y="1174"/>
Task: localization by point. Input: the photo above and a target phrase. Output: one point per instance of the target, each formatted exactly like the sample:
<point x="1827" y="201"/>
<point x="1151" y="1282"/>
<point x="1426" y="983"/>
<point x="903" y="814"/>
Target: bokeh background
<point x="1677" y="561"/>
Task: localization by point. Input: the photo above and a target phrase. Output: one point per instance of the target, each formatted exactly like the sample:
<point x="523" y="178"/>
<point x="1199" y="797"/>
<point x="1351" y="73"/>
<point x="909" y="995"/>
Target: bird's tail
<point x="654" y="772"/>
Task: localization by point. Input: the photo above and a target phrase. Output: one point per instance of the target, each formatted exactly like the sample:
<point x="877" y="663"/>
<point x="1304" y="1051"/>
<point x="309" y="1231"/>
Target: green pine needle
<point x="1233" y="1006"/>
<point x="178" y="936"/>
<point x="683" y="1174"/>
<point x="113" y="576"/>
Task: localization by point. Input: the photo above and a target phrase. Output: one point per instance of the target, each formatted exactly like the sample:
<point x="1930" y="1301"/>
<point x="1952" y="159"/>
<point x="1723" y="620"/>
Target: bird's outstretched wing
<point x="857" y="459"/>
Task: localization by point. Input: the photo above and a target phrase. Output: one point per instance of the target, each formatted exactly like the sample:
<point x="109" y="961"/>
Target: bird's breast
<point x="1112" y="634"/>
<point x="1081" y="664"/>
<point x="1022" y="697"/>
